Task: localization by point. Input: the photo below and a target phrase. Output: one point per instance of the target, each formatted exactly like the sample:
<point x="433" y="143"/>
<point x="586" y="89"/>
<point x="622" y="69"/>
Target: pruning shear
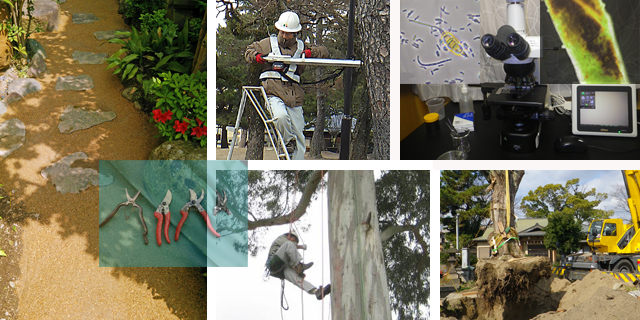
<point x="222" y="203"/>
<point x="163" y="213"/>
<point x="194" y="201"/>
<point x="130" y="201"/>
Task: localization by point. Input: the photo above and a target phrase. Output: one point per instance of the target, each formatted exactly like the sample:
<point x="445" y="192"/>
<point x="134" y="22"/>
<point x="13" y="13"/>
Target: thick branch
<point x="300" y="209"/>
<point x="390" y="231"/>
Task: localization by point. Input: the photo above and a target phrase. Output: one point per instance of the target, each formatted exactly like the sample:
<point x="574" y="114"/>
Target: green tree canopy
<point x="463" y="193"/>
<point x="572" y="198"/>
<point x="403" y="211"/>
<point x="563" y="233"/>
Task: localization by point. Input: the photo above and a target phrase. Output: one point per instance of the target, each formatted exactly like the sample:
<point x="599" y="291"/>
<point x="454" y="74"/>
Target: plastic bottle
<point x="466" y="103"/>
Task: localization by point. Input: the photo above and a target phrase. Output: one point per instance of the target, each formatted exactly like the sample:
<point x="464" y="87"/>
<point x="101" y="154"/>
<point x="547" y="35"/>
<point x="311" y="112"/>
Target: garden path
<point x="59" y="272"/>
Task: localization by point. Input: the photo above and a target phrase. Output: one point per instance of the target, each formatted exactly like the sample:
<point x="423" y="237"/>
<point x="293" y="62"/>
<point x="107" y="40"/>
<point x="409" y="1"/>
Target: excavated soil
<point x="597" y="296"/>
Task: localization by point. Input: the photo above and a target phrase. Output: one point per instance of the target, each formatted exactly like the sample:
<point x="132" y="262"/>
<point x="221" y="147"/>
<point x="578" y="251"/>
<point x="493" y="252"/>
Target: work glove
<point x="303" y="247"/>
<point x="307" y="53"/>
<point x="259" y="58"/>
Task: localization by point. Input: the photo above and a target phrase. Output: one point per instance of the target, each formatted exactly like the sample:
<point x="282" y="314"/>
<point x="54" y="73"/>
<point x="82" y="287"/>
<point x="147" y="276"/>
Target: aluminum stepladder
<point x="249" y="92"/>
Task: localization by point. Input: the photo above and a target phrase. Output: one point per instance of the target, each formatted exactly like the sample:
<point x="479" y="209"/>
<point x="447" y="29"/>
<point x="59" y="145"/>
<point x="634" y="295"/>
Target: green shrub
<point x="155" y="20"/>
<point x="181" y="106"/>
<point x="136" y="8"/>
<point x="194" y="32"/>
<point x="150" y="53"/>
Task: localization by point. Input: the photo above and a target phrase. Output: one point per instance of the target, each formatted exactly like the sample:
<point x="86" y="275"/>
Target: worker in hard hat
<point x="285" y="262"/>
<point x="281" y="82"/>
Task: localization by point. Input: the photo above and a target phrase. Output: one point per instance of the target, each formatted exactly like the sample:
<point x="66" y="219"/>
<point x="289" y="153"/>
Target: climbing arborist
<point x="281" y="82"/>
<point x="285" y="262"/>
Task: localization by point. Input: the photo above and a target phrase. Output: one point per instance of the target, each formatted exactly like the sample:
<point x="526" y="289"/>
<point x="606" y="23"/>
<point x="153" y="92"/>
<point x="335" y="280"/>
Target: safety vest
<point x="290" y="75"/>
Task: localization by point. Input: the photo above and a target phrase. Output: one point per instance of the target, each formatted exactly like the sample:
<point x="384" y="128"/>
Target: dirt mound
<point x="584" y="290"/>
<point x="508" y="280"/>
<point x="597" y="296"/>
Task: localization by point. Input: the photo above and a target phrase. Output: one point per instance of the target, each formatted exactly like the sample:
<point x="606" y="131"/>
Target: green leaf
<point x="163" y="61"/>
<point x="2" y="254"/>
<point x="184" y="54"/>
<point x="133" y="72"/>
<point x="127" y="70"/>
<point x="177" y="67"/>
<point x="179" y="114"/>
<point x="130" y="57"/>
<point x="178" y="136"/>
<point x="14" y="228"/>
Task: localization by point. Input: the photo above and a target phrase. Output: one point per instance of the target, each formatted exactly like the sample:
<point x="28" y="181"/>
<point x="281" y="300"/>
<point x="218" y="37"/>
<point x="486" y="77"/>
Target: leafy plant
<point x="181" y="106"/>
<point x="149" y="53"/>
<point x="155" y="20"/>
<point x="17" y="32"/>
<point x="136" y="8"/>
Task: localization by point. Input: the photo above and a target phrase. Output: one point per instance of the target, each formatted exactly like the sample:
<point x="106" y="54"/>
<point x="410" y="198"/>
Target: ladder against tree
<point x="253" y="94"/>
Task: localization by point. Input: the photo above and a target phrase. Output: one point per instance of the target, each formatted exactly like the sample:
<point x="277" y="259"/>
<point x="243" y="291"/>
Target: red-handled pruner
<point x="163" y="213"/>
<point x="194" y="202"/>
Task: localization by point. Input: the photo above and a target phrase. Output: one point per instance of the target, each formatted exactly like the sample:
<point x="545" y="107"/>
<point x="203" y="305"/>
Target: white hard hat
<point x="288" y="22"/>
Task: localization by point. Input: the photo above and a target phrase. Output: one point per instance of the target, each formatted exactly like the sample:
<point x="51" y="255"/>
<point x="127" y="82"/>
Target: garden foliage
<point x="181" y="106"/>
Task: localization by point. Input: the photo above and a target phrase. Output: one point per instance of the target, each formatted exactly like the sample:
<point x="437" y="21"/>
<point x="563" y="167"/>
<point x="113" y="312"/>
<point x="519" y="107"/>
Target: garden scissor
<point x="163" y="213"/>
<point x="221" y="204"/>
<point x="194" y="201"/>
<point x="130" y="201"/>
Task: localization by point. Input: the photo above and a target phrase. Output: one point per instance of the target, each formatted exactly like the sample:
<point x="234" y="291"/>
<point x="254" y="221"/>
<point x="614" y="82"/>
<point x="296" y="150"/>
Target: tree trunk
<point x="255" y="145"/>
<point x="374" y="32"/>
<point x="361" y="134"/>
<point x="502" y="221"/>
<point x="317" y="141"/>
<point x="358" y="276"/>
<point x="243" y="139"/>
<point x="200" y="58"/>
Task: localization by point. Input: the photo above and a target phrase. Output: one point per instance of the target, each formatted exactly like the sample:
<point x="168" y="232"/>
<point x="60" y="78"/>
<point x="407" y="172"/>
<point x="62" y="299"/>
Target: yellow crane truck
<point x="615" y="245"/>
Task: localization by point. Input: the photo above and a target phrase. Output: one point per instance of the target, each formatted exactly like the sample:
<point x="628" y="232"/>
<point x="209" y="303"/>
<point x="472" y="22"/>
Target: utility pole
<point x="358" y="276"/>
<point x="345" y="135"/>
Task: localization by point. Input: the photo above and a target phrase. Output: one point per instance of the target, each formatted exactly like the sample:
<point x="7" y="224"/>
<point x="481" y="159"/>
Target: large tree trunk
<point x="255" y="145"/>
<point x="374" y="32"/>
<point x="358" y="276"/>
<point x="317" y="141"/>
<point x="504" y="224"/>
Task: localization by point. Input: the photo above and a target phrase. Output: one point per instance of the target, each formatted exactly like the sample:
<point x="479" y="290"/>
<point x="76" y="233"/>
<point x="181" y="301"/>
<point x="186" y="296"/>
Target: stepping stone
<point x="77" y="83"/>
<point x="111" y="34"/>
<point x="11" y="136"/>
<point x="21" y="87"/>
<point x="89" y="57"/>
<point x="75" y="118"/>
<point x="81" y="18"/>
<point x="68" y="179"/>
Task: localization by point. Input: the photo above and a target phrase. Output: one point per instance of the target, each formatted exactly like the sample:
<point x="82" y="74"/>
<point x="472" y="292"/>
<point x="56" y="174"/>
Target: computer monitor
<point x="604" y="110"/>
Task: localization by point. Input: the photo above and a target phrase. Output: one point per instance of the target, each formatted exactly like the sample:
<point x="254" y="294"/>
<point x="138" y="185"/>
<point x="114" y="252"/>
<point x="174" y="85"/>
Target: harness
<point x="289" y="74"/>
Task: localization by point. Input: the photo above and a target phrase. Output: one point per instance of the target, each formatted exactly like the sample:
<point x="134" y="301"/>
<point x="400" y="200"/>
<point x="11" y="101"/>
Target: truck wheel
<point x="624" y="266"/>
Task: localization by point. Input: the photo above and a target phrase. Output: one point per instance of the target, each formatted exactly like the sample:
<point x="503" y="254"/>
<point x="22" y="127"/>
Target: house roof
<point x="527" y="227"/>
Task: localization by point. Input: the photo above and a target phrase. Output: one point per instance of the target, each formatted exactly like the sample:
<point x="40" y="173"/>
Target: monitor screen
<point x="604" y="110"/>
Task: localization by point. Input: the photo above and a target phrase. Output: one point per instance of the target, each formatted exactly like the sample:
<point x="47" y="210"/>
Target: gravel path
<point x="59" y="273"/>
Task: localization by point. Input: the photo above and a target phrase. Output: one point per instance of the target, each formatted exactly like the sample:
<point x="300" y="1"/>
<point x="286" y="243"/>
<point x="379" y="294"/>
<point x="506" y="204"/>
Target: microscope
<point x="520" y="99"/>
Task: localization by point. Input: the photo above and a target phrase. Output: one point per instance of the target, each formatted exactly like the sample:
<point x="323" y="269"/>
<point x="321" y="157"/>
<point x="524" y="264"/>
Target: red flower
<point x="199" y="131"/>
<point x="180" y="127"/>
<point x="159" y="116"/>
<point x="200" y="122"/>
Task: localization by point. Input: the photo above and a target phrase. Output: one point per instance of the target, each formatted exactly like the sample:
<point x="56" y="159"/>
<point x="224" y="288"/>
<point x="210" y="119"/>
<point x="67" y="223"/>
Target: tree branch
<point x="300" y="209"/>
